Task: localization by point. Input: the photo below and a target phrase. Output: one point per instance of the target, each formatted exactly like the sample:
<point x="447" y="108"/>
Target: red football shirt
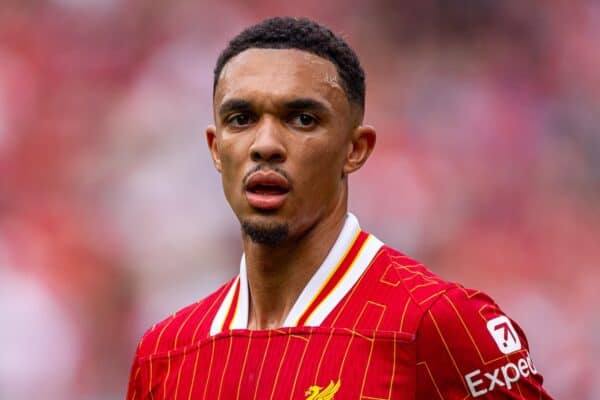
<point x="370" y="324"/>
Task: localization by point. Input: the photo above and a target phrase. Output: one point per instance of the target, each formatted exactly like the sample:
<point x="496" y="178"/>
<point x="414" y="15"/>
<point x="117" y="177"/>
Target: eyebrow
<point x="306" y="104"/>
<point x="233" y="105"/>
<point x="300" y="104"/>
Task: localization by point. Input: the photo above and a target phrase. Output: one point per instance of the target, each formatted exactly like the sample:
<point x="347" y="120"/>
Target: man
<point x="321" y="309"/>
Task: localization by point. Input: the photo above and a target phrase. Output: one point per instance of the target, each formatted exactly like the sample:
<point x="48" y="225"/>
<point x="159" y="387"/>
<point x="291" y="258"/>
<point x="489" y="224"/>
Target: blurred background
<point x="487" y="169"/>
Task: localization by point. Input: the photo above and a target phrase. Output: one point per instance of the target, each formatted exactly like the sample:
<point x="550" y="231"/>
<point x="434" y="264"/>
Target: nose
<point x="268" y="144"/>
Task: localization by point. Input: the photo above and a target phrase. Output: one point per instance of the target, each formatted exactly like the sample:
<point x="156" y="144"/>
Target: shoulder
<point x="408" y="287"/>
<point x="467" y="346"/>
<point x="184" y="327"/>
<point x="399" y="288"/>
<point x="468" y="319"/>
<point x="421" y="284"/>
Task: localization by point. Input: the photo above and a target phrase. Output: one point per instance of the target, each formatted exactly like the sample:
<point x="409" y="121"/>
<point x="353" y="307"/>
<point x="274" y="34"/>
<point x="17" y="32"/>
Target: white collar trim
<point x="347" y="260"/>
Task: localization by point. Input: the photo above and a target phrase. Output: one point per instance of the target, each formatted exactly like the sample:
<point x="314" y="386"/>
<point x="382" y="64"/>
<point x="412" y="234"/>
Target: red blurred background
<point x="111" y="215"/>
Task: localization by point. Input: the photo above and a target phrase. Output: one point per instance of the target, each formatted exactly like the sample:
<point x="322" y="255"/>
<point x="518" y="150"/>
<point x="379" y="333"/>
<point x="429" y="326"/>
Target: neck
<point x="277" y="275"/>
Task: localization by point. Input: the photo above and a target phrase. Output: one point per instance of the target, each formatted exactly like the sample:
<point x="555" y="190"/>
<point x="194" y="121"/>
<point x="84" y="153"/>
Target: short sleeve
<point x="468" y="348"/>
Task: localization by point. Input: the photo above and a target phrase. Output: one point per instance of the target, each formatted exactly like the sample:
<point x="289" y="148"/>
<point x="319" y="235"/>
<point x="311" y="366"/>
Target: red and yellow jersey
<point x="370" y="324"/>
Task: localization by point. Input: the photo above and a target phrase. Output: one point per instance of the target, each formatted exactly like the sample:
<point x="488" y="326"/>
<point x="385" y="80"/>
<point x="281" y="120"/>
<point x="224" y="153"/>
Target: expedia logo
<point x="480" y="383"/>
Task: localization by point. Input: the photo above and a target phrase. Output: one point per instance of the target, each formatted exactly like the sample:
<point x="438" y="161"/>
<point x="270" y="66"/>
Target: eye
<point x="304" y="120"/>
<point x="239" y="120"/>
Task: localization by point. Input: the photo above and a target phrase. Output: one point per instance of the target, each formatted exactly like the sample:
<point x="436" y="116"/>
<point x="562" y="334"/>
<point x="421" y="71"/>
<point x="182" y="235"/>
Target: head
<point x="301" y="34"/>
<point x="288" y="106"/>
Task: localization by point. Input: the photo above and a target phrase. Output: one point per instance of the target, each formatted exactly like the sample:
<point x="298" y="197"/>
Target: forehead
<point x="279" y="73"/>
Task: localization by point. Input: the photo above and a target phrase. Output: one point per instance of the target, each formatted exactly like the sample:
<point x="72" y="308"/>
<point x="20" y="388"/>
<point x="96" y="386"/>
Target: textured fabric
<point x="399" y="332"/>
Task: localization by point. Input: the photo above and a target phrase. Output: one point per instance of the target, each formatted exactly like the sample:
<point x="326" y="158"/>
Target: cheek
<point x="231" y="166"/>
<point x="233" y="153"/>
<point x="322" y="166"/>
<point x="326" y="156"/>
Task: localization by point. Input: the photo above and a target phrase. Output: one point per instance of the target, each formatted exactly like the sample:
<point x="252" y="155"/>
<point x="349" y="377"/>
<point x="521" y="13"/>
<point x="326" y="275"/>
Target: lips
<point x="266" y="190"/>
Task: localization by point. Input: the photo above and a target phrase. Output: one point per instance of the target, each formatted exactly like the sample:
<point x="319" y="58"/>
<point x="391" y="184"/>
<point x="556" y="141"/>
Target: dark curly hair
<point x="302" y="34"/>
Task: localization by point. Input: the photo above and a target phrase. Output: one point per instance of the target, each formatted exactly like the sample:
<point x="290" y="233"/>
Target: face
<point x="285" y="139"/>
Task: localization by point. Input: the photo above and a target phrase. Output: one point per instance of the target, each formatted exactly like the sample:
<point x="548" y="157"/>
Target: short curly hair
<point x="302" y="34"/>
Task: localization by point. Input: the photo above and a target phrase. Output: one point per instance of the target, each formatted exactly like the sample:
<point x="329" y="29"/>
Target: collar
<point x="351" y="254"/>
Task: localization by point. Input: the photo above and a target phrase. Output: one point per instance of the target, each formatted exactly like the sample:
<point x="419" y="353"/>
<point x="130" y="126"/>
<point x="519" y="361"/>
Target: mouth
<point x="266" y="190"/>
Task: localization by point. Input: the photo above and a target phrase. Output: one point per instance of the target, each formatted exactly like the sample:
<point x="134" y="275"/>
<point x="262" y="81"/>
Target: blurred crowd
<point x="487" y="169"/>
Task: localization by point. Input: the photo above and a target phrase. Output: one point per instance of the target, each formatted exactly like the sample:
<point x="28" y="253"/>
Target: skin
<point x="263" y="118"/>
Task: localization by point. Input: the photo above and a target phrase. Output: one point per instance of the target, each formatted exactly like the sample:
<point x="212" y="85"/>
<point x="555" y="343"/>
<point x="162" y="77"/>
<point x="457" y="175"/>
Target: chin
<point x="268" y="233"/>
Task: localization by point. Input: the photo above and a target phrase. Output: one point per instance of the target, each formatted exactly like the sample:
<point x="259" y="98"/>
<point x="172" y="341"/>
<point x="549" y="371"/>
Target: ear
<point x="213" y="147"/>
<point x="363" y="142"/>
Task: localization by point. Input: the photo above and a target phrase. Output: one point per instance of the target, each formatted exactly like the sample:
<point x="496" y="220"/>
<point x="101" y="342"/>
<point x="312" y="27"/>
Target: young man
<point x="321" y="309"/>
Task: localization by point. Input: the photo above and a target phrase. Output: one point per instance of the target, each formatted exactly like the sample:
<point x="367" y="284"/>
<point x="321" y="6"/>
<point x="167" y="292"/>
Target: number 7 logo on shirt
<point x="504" y="334"/>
